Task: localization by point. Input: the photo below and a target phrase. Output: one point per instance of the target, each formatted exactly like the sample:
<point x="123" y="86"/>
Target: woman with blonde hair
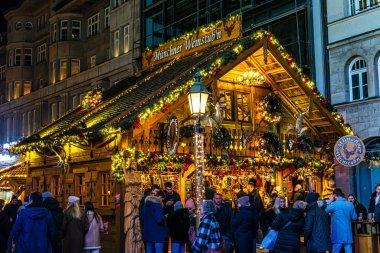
<point x="74" y="227"/>
<point x="271" y="213"/>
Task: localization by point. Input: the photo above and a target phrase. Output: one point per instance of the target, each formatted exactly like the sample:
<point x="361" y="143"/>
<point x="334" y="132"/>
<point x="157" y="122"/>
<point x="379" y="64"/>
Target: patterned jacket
<point x="209" y="236"/>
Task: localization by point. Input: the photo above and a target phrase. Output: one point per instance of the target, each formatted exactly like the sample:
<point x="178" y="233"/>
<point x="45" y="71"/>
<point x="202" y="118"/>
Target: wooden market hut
<point x="137" y="132"/>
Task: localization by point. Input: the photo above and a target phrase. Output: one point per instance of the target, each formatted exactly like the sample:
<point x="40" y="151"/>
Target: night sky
<point x="4" y="6"/>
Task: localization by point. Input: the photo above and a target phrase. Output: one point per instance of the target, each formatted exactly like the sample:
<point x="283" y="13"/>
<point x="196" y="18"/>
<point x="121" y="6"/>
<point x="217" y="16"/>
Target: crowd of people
<point x="326" y="225"/>
<point x="40" y="225"/>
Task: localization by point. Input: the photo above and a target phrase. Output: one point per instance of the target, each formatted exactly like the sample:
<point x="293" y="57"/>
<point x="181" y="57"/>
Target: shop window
<point x="27" y="56"/>
<point x="75" y="29"/>
<point x="75" y="66"/>
<point x="54" y="185"/>
<point x="28" y="26"/>
<point x="116" y="43"/>
<point x="63" y="69"/>
<point x="16" y="89"/>
<point x="2" y="72"/>
<point x="41" y="53"/>
<point x="93" y="25"/>
<point x="18" y="26"/>
<point x="35" y="184"/>
<point x="107" y="17"/>
<point x="126" y="39"/>
<point x="54" y="33"/>
<point x="27" y="87"/>
<point x="80" y="187"/>
<point x="17" y="56"/>
<point x="237" y="106"/>
<point x="358" y="79"/>
<point x="64" y="31"/>
<point x="105" y="194"/>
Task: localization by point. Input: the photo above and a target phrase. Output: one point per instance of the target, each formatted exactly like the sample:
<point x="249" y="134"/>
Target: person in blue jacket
<point x="34" y="228"/>
<point x="155" y="233"/>
<point x="342" y="213"/>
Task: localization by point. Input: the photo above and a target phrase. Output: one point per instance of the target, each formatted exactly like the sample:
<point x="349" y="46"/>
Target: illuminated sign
<point x="349" y="150"/>
<point x="193" y="42"/>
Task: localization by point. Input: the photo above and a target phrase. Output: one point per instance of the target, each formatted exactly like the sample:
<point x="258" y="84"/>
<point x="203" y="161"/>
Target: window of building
<point x="80" y="187"/>
<point x="17" y="56"/>
<point x="63" y="33"/>
<point x="116" y="3"/>
<point x="16" y="89"/>
<point x="362" y="5"/>
<point x="75" y="29"/>
<point x="54" y="73"/>
<point x="81" y="96"/>
<point x="54" y="33"/>
<point x="55" y="186"/>
<point x="28" y="26"/>
<point x="41" y="53"/>
<point x="27" y="87"/>
<point x="18" y="26"/>
<point x="93" y="25"/>
<point x="93" y="61"/>
<point x="35" y="184"/>
<point x="116" y="43"/>
<point x="2" y="72"/>
<point x="27" y="56"/>
<point x="75" y="66"/>
<point x="107" y="17"/>
<point x="105" y="189"/>
<point x="237" y="106"/>
<point x="126" y="39"/>
<point x="63" y="69"/>
<point x="75" y="102"/>
<point x="54" y="111"/>
<point x="358" y="79"/>
<point x="10" y="58"/>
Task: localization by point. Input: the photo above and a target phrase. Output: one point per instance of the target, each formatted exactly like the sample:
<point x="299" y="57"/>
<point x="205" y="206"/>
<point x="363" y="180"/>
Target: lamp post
<point x="198" y="96"/>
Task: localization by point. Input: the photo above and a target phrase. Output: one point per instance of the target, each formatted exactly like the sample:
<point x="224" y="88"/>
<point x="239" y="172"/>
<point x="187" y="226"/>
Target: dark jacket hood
<point x="294" y="214"/>
<point x="36" y="213"/>
<point x="51" y="204"/>
<point x="311" y="206"/>
<point x="150" y="200"/>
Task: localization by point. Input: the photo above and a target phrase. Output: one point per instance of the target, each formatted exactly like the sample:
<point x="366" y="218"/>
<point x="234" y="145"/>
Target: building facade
<point x="354" y="63"/>
<point x="56" y="51"/>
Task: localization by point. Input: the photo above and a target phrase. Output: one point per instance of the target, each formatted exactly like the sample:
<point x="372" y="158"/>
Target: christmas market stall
<point x="265" y="122"/>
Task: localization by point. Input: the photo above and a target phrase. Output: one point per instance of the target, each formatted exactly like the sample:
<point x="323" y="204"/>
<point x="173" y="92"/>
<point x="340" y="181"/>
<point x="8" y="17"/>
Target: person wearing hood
<point x="299" y="193"/>
<point x="56" y="211"/>
<point x="12" y="208"/>
<point x="317" y="228"/>
<point x="155" y="233"/>
<point x="34" y="228"/>
<point x="179" y="224"/>
<point x="289" y="224"/>
<point x="245" y="225"/>
<point x="24" y="205"/>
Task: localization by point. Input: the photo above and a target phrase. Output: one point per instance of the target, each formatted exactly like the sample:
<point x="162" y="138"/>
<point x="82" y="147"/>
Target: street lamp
<point x="198" y="96"/>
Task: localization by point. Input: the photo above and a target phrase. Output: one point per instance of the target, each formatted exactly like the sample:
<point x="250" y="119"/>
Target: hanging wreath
<point x="270" y="109"/>
<point x="269" y="143"/>
<point x="222" y="138"/>
<point x="304" y="143"/>
<point x="92" y="98"/>
<point x="120" y="159"/>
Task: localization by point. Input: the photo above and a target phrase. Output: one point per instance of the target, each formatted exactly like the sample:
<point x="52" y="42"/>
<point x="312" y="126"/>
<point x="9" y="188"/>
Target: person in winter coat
<point x="254" y="197"/>
<point x="57" y="214"/>
<point x="342" y="213"/>
<point x="360" y="209"/>
<point x="155" y="230"/>
<point x="223" y="215"/>
<point x="317" y="228"/>
<point x="271" y="213"/>
<point x="34" y="228"/>
<point x="92" y="237"/>
<point x="179" y="224"/>
<point x="289" y="224"/>
<point x="5" y="229"/>
<point x="74" y="227"/>
<point x="374" y="204"/>
<point x="299" y="193"/>
<point x="12" y="209"/>
<point x="245" y="225"/>
<point x="209" y="236"/>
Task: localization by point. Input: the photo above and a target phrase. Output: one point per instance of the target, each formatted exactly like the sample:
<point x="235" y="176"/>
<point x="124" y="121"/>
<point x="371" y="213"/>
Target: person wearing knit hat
<point x="73" y="199"/>
<point x="46" y="195"/>
<point x="209" y="234"/>
<point x="179" y="224"/>
<point x="245" y="225"/>
<point x="317" y="228"/>
<point x="178" y="205"/>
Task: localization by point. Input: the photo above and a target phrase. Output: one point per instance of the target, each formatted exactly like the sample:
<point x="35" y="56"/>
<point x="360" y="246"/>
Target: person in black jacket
<point x="289" y="224"/>
<point x="57" y="214"/>
<point x="360" y="209"/>
<point x="5" y="229"/>
<point x="317" y="228"/>
<point x="254" y="197"/>
<point x="171" y="197"/>
<point x="223" y="215"/>
<point x="179" y="224"/>
<point x="374" y="204"/>
<point x="245" y="226"/>
<point x="299" y="193"/>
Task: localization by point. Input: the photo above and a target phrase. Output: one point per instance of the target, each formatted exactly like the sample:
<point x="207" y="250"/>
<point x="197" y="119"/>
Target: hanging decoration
<point x="269" y="143"/>
<point x="172" y="136"/>
<point x="222" y="138"/>
<point x="121" y="161"/>
<point x="92" y="98"/>
<point x="270" y="109"/>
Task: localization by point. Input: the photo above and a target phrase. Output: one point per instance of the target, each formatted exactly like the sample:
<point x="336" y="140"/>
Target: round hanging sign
<point x="172" y="136"/>
<point x="349" y="150"/>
